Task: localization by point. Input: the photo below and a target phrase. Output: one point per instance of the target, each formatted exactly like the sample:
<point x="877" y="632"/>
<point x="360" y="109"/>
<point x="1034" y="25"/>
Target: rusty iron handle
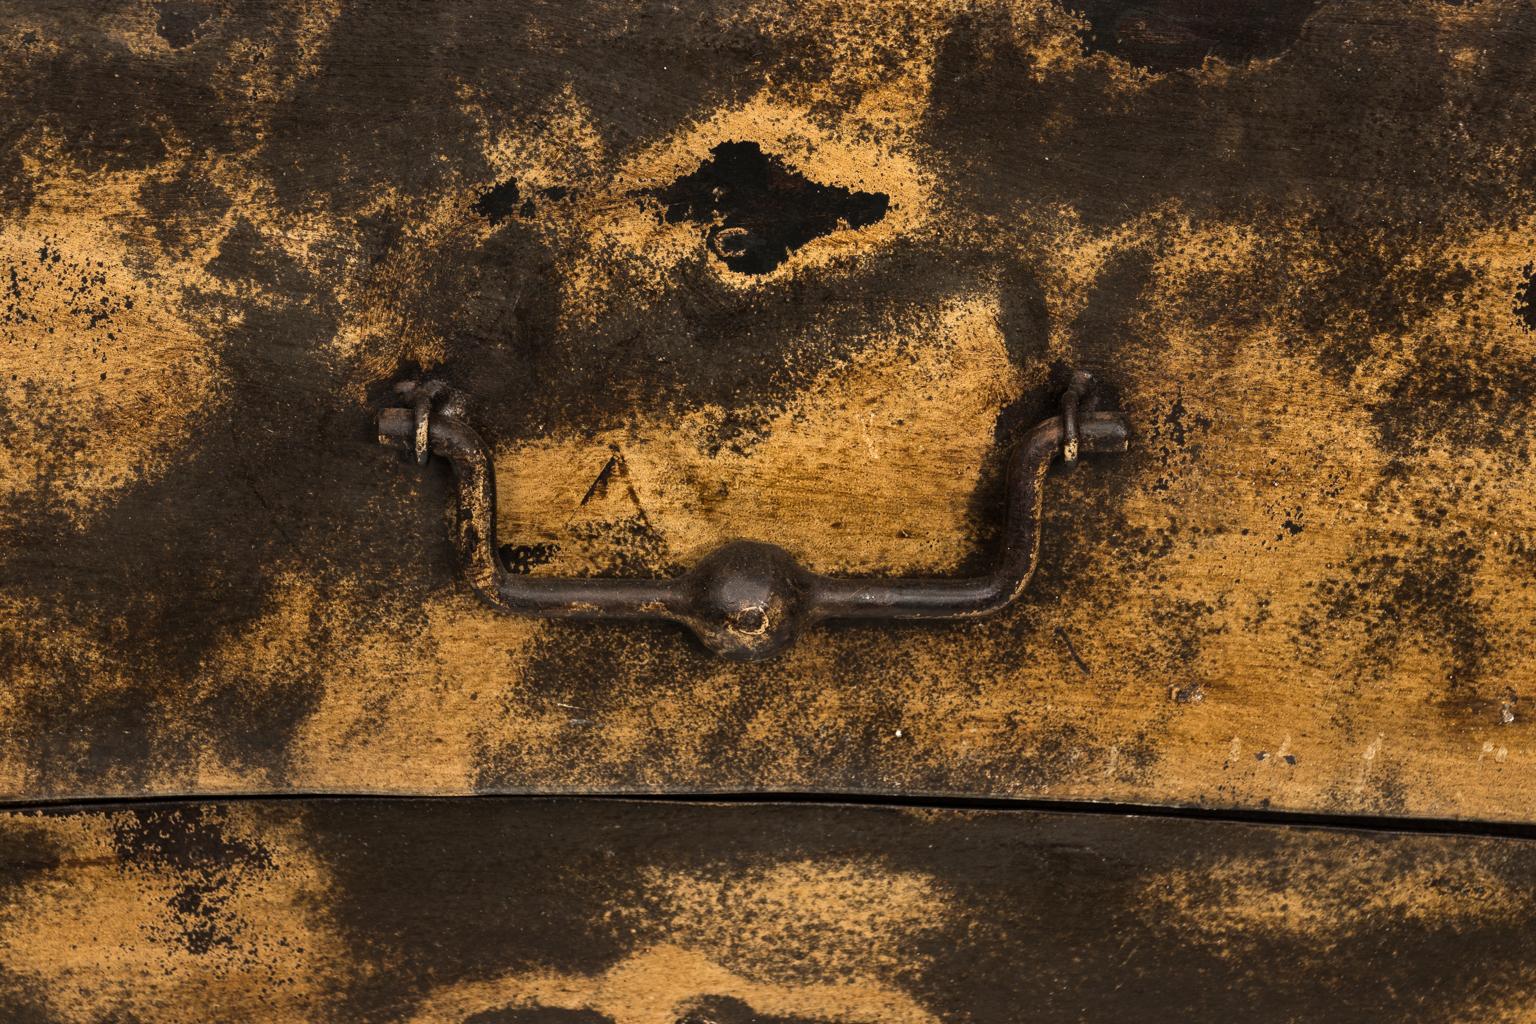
<point x="745" y="600"/>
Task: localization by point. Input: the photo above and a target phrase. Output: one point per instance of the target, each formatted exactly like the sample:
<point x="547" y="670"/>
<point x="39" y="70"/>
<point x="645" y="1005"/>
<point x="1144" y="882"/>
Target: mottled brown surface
<point x="531" y="911"/>
<point x="1297" y="243"/>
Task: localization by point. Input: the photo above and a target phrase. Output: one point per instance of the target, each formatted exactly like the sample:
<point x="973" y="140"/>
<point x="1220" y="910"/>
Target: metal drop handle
<point x="745" y="600"/>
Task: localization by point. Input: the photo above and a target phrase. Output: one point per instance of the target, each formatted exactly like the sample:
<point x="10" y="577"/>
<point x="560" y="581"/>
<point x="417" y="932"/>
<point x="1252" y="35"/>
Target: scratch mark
<point x="1076" y="659"/>
<point x="600" y="484"/>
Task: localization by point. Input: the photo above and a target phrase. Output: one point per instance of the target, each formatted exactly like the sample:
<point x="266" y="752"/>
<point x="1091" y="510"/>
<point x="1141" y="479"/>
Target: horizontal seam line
<point x="1394" y="824"/>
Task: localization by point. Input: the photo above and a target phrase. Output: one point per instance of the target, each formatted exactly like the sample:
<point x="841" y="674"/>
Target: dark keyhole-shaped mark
<point x="757" y="210"/>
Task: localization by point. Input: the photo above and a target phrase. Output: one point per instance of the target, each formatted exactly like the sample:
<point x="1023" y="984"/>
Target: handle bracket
<point x="745" y="600"/>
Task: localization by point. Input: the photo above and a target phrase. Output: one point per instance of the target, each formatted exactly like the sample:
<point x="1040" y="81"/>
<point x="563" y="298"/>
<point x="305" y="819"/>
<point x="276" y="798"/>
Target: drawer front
<point x="731" y="272"/>
<point x="616" y="912"/>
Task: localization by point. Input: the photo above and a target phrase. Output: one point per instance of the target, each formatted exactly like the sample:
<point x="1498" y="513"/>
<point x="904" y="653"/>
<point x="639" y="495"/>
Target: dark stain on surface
<point x="1445" y="396"/>
<point x="703" y="343"/>
<point x="181" y="22"/>
<point x="167" y="199"/>
<point x="499" y="202"/>
<point x="191" y="844"/>
<point x="524" y="558"/>
<point x="84" y="727"/>
<point x="25" y="852"/>
<point x="1416" y="596"/>
<point x="1374" y="281"/>
<point x="757" y="210"/>
<point x="1176" y="635"/>
<point x="1167" y="35"/>
<point x="1525" y="298"/>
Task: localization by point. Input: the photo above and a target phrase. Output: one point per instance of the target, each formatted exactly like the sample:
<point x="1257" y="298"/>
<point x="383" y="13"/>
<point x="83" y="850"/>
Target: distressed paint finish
<point x="718" y="271"/>
<point x="535" y="911"/>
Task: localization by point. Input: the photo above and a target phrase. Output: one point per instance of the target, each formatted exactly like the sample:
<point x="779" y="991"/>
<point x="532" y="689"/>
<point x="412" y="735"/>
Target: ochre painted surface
<point x="533" y="911"/>
<point x="790" y="273"/>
